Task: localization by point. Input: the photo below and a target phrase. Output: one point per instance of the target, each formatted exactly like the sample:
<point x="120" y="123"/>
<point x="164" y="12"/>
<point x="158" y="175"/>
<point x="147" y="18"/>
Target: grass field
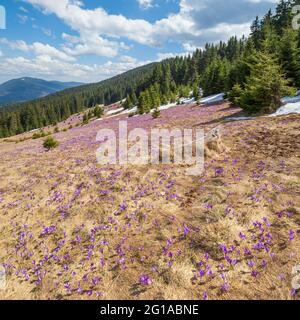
<point x="71" y="229"/>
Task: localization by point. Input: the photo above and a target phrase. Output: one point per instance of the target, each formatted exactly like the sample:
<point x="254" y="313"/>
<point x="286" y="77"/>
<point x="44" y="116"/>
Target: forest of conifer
<point x="254" y="71"/>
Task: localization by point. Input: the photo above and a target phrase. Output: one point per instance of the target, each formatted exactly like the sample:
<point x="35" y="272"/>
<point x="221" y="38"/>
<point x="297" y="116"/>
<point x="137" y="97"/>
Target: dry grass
<point x="155" y="234"/>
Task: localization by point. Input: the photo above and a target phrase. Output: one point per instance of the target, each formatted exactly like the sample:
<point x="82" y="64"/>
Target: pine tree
<point x="196" y="92"/>
<point x="256" y="33"/>
<point x="156" y="113"/>
<point x="128" y="103"/>
<point x="98" y="112"/>
<point x="283" y="17"/>
<point x="289" y="56"/>
<point x="265" y="87"/>
<point x="85" y="119"/>
<point x="166" y="83"/>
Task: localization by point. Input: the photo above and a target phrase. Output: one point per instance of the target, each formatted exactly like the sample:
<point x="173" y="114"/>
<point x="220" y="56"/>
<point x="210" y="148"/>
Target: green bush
<point x="50" y="143"/>
<point x="156" y="113"/>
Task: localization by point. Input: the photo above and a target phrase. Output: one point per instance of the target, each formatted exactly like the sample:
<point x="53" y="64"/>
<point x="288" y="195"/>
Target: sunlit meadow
<point x="72" y="229"/>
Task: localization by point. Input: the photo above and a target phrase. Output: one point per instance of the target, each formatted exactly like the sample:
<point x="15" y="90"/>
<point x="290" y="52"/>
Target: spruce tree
<point x="266" y="85"/>
<point x="289" y="56"/>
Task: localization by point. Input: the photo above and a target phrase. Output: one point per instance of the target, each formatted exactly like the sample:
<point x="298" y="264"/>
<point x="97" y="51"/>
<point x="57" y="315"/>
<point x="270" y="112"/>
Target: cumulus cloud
<point x="38" y="48"/>
<point x="197" y="22"/>
<point x="95" y="31"/>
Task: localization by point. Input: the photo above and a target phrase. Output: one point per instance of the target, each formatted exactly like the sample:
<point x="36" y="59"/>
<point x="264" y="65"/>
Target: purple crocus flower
<point x="201" y="273"/>
<point x="293" y="293"/>
<point x="208" y="206"/>
<point x="219" y="171"/>
<point x="291" y="235"/>
<point x="254" y="273"/>
<point x="95" y="281"/>
<point x="186" y="230"/>
<point x="264" y="264"/>
<point x="225" y="286"/>
<point x="145" y="280"/>
<point x="48" y="230"/>
<point x="242" y="236"/>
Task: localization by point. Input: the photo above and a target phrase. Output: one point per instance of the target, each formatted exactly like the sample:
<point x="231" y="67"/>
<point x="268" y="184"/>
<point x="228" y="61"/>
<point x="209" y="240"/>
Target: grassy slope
<point x="66" y="188"/>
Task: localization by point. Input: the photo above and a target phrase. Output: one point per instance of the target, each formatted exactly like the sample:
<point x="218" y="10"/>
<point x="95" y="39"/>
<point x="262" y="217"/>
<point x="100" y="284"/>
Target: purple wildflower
<point x="242" y="236"/>
<point x="145" y="280"/>
<point x="293" y="293"/>
<point x="291" y="235"/>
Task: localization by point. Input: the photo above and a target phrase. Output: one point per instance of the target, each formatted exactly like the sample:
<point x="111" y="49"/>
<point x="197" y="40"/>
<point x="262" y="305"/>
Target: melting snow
<point x="292" y="105"/>
<point x="214" y="98"/>
<point x="114" y="111"/>
<point x="287" y="109"/>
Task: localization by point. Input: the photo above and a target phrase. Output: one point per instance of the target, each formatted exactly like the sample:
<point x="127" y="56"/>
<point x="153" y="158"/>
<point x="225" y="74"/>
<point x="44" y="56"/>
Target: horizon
<point x="133" y="35"/>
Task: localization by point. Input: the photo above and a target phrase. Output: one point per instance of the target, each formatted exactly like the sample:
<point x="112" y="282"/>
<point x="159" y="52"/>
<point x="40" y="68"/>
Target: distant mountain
<point x="26" y="89"/>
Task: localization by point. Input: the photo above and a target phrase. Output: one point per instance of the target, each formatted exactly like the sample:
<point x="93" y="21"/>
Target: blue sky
<point x="91" y="40"/>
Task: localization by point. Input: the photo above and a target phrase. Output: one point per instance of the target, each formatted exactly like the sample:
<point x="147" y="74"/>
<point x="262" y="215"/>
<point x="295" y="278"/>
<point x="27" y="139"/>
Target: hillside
<point x="19" y="118"/>
<point x="73" y="229"/>
<point x="25" y="89"/>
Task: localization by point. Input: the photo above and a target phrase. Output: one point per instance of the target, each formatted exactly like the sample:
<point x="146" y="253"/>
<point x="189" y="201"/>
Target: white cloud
<point x="197" y="22"/>
<point x="168" y="55"/>
<point x="22" y="18"/>
<point x="95" y="31"/>
<point x="145" y="4"/>
<point x="47" y="32"/>
<point x="50" y="68"/>
<point x="38" y="48"/>
<point x="92" y="43"/>
<point x="23" y="9"/>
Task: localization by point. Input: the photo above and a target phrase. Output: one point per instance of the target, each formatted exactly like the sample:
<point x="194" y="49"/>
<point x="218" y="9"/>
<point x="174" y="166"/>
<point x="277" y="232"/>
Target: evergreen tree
<point x="98" y="112"/>
<point x="256" y="33"/>
<point x="265" y="87"/>
<point x="196" y="92"/>
<point x="289" y="56"/>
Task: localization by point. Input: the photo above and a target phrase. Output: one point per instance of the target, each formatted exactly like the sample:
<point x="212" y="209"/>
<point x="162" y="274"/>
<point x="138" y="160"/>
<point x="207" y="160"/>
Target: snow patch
<point x="214" y="98"/>
<point x="287" y="109"/>
<point x="239" y="118"/>
<point x="291" y="105"/>
<point x="167" y="106"/>
<point x="114" y="111"/>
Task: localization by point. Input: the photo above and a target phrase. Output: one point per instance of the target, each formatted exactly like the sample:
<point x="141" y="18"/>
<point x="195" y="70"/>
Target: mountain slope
<point x="21" y="117"/>
<point x="25" y="89"/>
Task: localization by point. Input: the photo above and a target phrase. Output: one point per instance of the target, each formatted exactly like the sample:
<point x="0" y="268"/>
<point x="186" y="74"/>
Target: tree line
<point x="254" y="72"/>
<point x="19" y="118"/>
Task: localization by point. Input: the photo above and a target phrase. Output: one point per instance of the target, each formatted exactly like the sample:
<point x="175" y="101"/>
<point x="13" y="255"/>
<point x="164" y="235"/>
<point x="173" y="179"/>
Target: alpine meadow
<point x="90" y="212"/>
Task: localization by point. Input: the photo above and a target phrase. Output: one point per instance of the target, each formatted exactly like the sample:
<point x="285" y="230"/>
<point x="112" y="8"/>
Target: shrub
<point x="50" y="143"/>
<point x="38" y="135"/>
<point x="156" y="113"/>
